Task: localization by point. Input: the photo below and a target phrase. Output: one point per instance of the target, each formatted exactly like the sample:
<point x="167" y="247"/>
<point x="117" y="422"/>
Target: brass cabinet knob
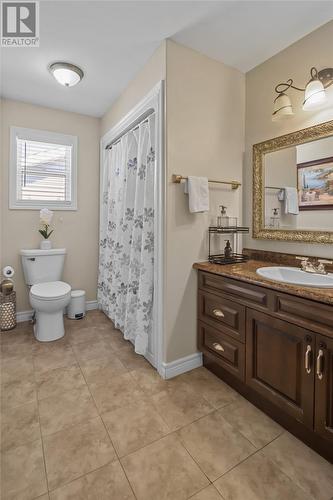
<point x="218" y="313"/>
<point x="218" y="347"/>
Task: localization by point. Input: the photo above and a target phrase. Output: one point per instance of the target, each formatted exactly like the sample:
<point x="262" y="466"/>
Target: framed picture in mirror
<point x="315" y="184"/>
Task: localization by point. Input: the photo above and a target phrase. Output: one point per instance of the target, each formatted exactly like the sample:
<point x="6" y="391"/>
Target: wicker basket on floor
<point x="7" y="311"/>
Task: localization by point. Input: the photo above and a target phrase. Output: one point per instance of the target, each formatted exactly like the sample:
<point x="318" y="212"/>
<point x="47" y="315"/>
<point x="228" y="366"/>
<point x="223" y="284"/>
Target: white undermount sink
<point x="295" y="276"/>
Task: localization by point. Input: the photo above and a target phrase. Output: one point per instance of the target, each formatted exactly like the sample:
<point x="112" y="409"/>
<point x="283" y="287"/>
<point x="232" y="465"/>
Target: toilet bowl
<point x="49" y="300"/>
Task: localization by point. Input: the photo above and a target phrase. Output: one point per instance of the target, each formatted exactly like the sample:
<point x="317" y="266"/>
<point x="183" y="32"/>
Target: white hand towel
<point x="291" y="201"/>
<point x="198" y="194"/>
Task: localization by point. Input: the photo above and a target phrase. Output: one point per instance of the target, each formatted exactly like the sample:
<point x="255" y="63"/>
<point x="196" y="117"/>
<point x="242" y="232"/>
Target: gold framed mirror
<point x="293" y="186"/>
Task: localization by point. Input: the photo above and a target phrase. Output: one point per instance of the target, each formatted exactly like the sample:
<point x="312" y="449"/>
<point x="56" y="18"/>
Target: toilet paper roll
<point x="8" y="271"/>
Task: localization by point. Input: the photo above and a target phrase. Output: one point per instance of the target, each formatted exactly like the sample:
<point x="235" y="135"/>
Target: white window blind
<point x="43" y="171"/>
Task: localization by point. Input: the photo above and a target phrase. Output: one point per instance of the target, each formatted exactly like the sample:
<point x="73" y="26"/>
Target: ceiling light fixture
<point x="314" y="93"/>
<point x="66" y="74"/>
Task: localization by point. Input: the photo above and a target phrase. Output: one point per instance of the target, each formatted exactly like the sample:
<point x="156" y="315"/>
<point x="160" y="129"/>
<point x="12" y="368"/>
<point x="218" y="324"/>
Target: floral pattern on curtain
<point x="126" y="256"/>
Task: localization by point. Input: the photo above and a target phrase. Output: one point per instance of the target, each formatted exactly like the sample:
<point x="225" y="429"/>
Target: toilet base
<point x="49" y="326"/>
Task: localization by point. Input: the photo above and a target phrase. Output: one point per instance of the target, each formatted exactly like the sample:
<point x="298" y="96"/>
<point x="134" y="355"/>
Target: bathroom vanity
<point x="272" y="342"/>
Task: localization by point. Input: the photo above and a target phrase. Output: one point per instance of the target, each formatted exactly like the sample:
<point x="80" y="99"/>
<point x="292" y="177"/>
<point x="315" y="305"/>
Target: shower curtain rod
<point x="134" y="126"/>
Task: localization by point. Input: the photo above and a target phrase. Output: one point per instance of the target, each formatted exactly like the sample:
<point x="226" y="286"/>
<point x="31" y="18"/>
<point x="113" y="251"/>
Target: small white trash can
<point x="77" y="306"/>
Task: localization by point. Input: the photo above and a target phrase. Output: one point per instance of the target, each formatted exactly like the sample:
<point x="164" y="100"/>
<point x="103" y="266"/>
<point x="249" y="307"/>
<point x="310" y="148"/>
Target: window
<point x="42" y="170"/>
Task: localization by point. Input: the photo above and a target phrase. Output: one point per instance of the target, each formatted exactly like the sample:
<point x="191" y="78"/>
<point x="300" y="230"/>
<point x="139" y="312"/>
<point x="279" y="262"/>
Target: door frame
<point x="152" y="102"/>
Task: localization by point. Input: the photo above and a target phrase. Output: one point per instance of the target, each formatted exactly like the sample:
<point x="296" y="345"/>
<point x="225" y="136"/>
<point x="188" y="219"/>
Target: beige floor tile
<point x="149" y="380"/>
<point x="55" y="382"/>
<point x="99" y="371"/>
<point x="214" y="390"/>
<point x="120" y="391"/>
<point x="18" y="392"/>
<point x="209" y="493"/>
<point x="17" y="337"/>
<point x="92" y="350"/>
<point x="130" y="359"/>
<point x="116" y="338"/>
<point x="23" y="472"/>
<point x="163" y="470"/>
<point x="60" y="345"/>
<point x="96" y="317"/>
<point x="107" y="483"/>
<point x="12" y="370"/>
<point x="19" y="351"/>
<point x="76" y="451"/>
<point x="304" y="466"/>
<point x="90" y="319"/>
<point x="215" y="445"/>
<point x="180" y="405"/>
<point x="251" y="422"/>
<point x="53" y="358"/>
<point x="258" y="479"/>
<point x="67" y="409"/>
<point x="19" y="425"/>
<point x="87" y="333"/>
<point x="134" y="426"/>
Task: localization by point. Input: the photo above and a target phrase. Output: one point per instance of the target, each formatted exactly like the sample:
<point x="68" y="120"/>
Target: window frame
<point x="42" y="136"/>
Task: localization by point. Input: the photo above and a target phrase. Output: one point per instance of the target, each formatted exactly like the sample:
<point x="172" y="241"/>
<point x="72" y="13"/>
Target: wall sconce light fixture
<point x="314" y="93"/>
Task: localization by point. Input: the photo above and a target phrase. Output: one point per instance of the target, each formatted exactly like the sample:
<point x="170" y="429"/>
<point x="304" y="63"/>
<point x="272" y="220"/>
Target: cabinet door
<point x="324" y="387"/>
<point x="279" y="364"/>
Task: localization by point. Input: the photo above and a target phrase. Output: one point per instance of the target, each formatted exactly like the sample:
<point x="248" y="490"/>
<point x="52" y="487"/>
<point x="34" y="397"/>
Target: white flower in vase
<point x="45" y="216"/>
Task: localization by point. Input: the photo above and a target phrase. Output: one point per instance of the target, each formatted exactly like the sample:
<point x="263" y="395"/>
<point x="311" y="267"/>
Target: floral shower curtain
<point x="126" y="258"/>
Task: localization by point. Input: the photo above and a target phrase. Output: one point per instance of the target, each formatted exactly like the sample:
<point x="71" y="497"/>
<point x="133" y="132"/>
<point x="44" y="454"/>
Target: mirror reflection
<point x="299" y="187"/>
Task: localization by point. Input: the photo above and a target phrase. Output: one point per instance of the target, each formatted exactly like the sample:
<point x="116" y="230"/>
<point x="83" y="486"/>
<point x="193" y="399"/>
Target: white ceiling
<point x="112" y="40"/>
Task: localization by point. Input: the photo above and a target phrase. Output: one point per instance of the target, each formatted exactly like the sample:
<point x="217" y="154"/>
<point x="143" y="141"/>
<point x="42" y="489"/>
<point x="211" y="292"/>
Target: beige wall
<point x="294" y="62"/>
<point x="205" y="113"/>
<point x="205" y="137"/>
<point x="78" y="230"/>
<point x="144" y="81"/>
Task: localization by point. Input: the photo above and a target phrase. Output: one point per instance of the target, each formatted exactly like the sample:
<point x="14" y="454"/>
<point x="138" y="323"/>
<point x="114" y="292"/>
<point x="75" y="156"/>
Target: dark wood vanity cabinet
<point x="259" y="341"/>
<point x="276" y="354"/>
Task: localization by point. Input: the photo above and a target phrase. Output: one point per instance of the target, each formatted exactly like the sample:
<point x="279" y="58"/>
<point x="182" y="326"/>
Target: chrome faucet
<point x="310" y="267"/>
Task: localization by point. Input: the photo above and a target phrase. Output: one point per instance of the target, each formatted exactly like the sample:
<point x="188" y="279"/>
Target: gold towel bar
<point x="234" y="184"/>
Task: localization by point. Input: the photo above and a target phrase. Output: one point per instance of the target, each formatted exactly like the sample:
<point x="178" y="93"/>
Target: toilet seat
<point x="50" y="290"/>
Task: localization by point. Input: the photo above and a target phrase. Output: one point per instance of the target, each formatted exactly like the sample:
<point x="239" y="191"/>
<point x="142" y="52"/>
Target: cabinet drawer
<point x="252" y="294"/>
<point x="229" y="353"/>
<point x="219" y="312"/>
<point x="303" y="312"/>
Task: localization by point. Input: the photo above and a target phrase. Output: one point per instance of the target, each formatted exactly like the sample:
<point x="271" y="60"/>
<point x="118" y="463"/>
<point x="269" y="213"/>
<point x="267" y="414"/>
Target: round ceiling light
<point x="66" y="74"/>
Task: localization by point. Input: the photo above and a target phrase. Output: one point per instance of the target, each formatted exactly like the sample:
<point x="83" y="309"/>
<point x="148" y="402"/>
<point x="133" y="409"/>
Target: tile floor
<point x="87" y="418"/>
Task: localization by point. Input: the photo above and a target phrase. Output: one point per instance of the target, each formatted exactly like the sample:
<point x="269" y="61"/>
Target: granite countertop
<point x="246" y="271"/>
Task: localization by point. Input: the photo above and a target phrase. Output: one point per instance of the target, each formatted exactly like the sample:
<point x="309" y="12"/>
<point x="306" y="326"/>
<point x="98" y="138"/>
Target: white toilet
<point x="48" y="296"/>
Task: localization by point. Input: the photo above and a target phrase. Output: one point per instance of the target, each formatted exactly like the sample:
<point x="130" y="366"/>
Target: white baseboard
<point x="27" y="315"/>
<point x="181" y="365"/>
<point x="91" y="305"/>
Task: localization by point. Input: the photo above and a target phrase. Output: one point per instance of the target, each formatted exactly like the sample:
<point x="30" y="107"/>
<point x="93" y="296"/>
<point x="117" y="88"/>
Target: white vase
<point x="45" y="245"/>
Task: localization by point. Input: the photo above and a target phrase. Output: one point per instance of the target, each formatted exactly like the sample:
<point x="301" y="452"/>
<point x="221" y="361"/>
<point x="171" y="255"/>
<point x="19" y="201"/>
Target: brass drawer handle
<point x="308" y="359"/>
<point x="218" y="347"/>
<point x="218" y="313"/>
<point x="320" y="364"/>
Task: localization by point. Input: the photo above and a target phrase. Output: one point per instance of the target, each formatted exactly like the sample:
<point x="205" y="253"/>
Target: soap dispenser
<point x="221" y="218"/>
<point x="227" y="250"/>
<point x="275" y="219"/>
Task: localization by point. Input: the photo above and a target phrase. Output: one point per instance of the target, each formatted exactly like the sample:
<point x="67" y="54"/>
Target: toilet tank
<point x="40" y="266"/>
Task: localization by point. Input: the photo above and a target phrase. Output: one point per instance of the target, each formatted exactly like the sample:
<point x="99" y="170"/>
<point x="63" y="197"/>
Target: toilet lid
<point x="50" y="290"/>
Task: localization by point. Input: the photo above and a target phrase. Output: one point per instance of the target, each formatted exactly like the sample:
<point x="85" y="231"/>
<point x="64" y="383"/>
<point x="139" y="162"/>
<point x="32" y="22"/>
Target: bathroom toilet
<point x="48" y="295"/>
